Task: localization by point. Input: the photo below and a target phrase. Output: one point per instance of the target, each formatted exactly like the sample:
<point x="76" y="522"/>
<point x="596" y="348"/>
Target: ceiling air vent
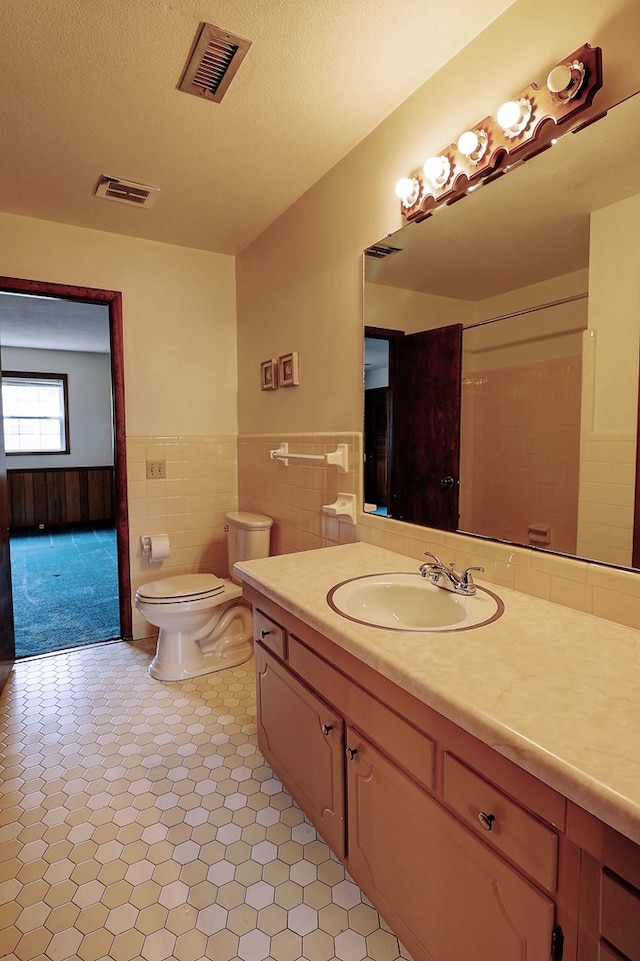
<point x="126" y="191"/>
<point x="380" y="251"/>
<point x="214" y="61"/>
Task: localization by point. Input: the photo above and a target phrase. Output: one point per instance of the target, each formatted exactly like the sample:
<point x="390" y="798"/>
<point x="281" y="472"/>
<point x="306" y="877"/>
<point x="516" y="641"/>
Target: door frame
<point x="113" y="299"/>
<point x="389" y="335"/>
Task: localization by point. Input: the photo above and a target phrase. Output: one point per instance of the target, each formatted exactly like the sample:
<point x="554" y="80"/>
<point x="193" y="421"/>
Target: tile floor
<point x="139" y="822"/>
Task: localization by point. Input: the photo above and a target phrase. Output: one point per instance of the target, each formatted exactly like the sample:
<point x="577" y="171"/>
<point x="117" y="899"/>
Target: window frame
<point x="34" y="376"/>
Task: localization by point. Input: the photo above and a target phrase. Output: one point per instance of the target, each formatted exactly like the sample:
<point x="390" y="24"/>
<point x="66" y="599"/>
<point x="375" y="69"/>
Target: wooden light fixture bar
<point x="547" y="114"/>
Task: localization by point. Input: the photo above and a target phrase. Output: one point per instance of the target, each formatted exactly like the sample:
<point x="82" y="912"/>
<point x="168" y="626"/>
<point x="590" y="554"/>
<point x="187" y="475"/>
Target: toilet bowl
<point x="203" y="624"/>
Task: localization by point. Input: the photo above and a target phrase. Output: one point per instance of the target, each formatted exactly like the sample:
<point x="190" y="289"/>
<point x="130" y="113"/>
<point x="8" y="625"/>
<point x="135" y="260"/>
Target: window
<point x="35" y="413"/>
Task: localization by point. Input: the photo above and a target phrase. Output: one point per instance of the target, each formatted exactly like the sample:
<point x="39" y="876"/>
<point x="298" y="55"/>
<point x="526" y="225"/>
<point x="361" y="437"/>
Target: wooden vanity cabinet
<point x="302" y="738"/>
<point x="610" y="890"/>
<point x="445" y="893"/>
<point x="396" y="791"/>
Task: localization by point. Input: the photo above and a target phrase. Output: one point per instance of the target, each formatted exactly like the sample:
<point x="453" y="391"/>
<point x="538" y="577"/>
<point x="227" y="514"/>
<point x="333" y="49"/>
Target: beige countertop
<point x="554" y="690"/>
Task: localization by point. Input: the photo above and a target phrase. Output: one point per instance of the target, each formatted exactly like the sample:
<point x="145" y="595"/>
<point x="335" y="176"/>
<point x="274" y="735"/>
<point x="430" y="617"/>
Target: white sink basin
<point x="408" y="602"/>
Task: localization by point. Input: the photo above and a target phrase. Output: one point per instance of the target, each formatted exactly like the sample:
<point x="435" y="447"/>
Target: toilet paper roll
<point x="160" y="547"/>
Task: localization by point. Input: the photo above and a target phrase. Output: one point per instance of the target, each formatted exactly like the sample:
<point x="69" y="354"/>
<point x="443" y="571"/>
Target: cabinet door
<point x="302" y="739"/>
<point x="444" y="893"/>
<point x="620" y="915"/>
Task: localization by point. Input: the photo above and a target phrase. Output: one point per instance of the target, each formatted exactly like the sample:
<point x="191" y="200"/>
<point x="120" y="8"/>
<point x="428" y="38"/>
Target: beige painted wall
<point x="614" y="313"/>
<point x="411" y="311"/>
<point x="300" y="283"/>
<point x="610" y="376"/>
<point x="178" y="315"/>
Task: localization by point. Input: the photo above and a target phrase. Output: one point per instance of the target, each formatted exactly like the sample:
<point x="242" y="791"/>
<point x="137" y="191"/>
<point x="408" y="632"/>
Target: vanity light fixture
<point x="514" y="116"/>
<point x="473" y="144"/>
<point x="522" y="127"/>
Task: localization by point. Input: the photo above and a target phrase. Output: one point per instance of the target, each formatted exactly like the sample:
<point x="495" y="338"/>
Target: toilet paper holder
<point x="155" y="547"/>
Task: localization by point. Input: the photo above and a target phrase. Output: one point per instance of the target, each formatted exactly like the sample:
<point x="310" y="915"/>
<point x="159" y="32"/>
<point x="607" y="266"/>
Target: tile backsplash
<point x="294" y="495"/>
<point x="189" y="504"/>
<point x="208" y="476"/>
<point x="583" y="586"/>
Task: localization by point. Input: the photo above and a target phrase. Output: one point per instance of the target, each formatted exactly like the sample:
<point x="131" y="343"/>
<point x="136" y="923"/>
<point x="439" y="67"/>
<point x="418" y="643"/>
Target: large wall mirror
<point x="501" y="353"/>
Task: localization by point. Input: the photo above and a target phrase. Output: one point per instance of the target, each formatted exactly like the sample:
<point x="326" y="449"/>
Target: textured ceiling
<point x="90" y="88"/>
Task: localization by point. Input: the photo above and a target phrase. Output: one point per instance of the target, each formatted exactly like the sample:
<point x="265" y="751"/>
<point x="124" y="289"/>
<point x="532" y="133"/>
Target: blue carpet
<point x="65" y="589"/>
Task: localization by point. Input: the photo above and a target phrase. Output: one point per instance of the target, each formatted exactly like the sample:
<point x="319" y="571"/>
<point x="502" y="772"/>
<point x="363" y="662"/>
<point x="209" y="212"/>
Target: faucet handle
<point x="428" y="567"/>
<point x="466" y="578"/>
<point x="433" y="557"/>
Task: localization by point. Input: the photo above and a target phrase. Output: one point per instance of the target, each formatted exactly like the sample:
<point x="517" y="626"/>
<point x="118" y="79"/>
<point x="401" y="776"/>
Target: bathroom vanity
<point x="481" y="786"/>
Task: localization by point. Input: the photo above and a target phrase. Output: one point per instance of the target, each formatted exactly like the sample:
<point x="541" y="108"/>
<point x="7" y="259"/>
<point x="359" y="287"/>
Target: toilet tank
<point x="248" y="538"/>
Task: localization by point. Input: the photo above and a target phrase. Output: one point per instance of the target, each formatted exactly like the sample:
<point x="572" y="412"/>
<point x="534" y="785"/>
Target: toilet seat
<point x="181" y="589"/>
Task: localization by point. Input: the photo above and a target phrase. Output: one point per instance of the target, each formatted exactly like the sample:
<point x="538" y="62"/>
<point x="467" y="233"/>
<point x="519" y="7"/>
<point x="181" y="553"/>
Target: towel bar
<point x="338" y="457"/>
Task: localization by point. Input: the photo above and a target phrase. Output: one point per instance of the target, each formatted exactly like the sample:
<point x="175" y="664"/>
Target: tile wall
<point x="607" y="476"/>
<point x="189" y="504"/>
<point x="294" y="495"/>
<point x="607" y="497"/>
<point x="520" y="458"/>
<point x="207" y="476"/>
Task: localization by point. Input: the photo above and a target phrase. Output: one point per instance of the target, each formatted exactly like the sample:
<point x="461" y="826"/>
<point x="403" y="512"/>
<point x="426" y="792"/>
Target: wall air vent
<point x="213" y="62"/>
<point x="380" y="251"/>
<point x="126" y="191"/>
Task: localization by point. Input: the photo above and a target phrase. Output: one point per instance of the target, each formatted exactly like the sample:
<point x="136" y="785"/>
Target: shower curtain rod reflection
<point x="528" y="310"/>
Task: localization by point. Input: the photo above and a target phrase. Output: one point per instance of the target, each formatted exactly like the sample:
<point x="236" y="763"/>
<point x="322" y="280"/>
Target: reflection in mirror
<point x="540" y="269"/>
<point x="520" y="427"/>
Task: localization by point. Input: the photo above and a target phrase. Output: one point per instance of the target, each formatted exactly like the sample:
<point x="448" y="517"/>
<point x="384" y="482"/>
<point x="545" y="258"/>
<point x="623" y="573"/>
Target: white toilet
<point x="203" y="624"/>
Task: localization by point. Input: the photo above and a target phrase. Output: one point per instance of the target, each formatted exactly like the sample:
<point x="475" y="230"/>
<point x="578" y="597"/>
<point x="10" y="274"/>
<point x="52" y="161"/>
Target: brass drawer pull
<point x="327" y="728"/>
<point x="486" y="820"/>
<point x="265" y="633"/>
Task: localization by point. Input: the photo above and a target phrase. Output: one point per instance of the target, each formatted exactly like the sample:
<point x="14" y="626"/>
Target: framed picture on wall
<point x="288" y="370"/>
<point x="269" y="374"/>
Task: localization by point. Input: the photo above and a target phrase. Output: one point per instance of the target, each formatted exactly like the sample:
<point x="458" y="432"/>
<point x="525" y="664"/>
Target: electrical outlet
<point x="156" y="468"/>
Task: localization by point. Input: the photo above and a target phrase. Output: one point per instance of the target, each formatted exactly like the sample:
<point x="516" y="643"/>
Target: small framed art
<point x="288" y="370"/>
<point x="269" y="374"/>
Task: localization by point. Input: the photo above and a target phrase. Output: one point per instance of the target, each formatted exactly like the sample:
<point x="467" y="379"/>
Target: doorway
<point x="84" y="502"/>
<point x="412" y="431"/>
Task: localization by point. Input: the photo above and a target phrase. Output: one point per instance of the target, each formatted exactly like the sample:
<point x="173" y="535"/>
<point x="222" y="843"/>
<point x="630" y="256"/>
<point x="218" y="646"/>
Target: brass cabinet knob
<point x="351" y="752"/>
<point x="327" y="728"/>
<point x="486" y="820"/>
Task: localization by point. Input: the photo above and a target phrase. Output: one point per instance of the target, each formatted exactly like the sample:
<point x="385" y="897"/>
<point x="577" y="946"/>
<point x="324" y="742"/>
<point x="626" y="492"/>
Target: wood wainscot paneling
<point x="61" y="496"/>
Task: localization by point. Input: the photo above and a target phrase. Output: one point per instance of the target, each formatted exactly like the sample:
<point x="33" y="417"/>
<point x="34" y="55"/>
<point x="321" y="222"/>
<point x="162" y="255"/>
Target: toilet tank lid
<point x="249" y="521"/>
<point x="193" y="586"/>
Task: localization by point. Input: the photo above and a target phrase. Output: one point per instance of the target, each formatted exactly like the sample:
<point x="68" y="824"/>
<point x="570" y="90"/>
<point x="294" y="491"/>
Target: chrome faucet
<point x="446" y="577"/>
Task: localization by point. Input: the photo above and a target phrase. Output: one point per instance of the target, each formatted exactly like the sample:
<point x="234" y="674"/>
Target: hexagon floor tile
<point x="139" y="822"/>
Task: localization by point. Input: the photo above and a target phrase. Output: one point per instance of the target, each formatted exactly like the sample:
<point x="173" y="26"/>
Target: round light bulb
<point x="468" y="143"/>
<point x="509" y="115"/>
<point x="407" y="189"/>
<point x="560" y="78"/>
<point x="436" y="170"/>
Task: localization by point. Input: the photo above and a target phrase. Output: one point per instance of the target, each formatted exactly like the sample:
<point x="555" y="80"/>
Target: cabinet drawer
<point x="513" y="831"/>
<point x="408" y="746"/>
<point x="620" y="915"/>
<point x="270" y="634"/>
